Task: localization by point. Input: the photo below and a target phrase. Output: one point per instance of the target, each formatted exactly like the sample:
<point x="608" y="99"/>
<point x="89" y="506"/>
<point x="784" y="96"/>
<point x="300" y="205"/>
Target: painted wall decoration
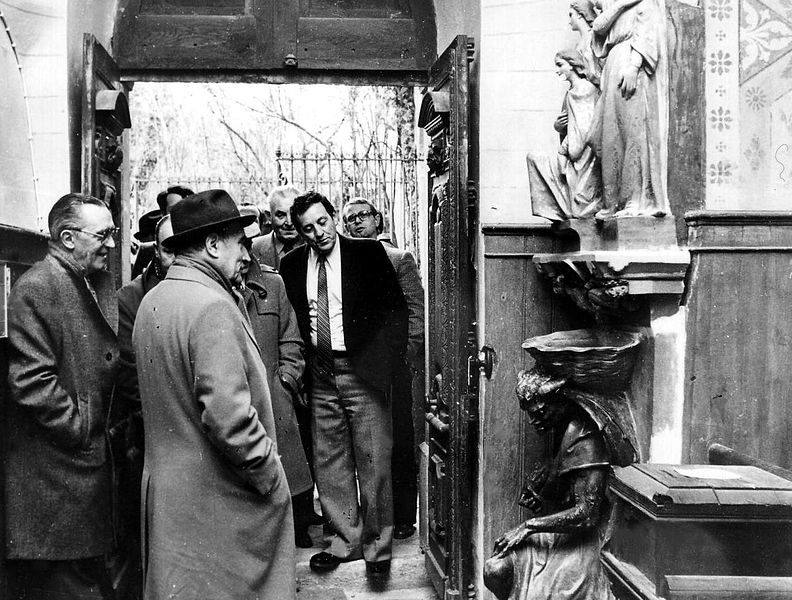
<point x="749" y="104"/>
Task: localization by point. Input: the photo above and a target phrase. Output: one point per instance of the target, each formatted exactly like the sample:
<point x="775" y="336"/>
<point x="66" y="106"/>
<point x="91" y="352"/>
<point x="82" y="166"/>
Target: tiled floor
<point x="407" y="581"/>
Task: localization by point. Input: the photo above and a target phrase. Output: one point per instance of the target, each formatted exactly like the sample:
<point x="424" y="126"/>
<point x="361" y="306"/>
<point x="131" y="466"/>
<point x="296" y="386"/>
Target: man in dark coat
<point x="63" y="356"/>
<point x="270" y="248"/>
<point x="129" y="471"/>
<point x="263" y="298"/>
<point x="352" y="318"/>
<point x="363" y="220"/>
<point x="217" y="511"/>
<point x="129" y="298"/>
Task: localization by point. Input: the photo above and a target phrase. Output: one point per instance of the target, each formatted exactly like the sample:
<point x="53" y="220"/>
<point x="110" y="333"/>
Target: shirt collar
<point x="334" y="258"/>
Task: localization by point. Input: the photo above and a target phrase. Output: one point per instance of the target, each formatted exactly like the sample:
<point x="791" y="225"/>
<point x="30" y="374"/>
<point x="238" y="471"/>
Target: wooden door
<point x="104" y="148"/>
<point x="452" y="401"/>
<point x="105" y="117"/>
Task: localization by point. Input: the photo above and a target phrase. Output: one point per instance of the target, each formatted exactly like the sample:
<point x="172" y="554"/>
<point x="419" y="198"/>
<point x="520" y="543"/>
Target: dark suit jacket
<point x="375" y="311"/>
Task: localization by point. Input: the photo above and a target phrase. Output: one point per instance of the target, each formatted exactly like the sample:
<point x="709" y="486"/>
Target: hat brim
<point x="142" y="238"/>
<point x="190" y="234"/>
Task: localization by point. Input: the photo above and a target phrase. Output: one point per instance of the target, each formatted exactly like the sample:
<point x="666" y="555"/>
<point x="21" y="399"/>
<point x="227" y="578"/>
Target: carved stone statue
<point x="630" y="129"/>
<point x="556" y="554"/>
<point x="567" y="184"/>
<point x="581" y="17"/>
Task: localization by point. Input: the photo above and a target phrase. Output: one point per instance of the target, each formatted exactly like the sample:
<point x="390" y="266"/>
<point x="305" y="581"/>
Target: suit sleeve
<point x="35" y="339"/>
<point x="291" y="363"/>
<point x="410" y="282"/>
<point x="127" y="389"/>
<point x="391" y="298"/>
<point x="223" y="395"/>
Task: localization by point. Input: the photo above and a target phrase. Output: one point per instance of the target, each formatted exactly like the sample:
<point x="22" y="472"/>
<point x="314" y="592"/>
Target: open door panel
<point x="452" y="401"/>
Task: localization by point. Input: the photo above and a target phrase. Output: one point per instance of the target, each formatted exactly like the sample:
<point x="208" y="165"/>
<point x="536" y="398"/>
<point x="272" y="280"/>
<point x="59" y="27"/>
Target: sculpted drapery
<point x="629" y="132"/>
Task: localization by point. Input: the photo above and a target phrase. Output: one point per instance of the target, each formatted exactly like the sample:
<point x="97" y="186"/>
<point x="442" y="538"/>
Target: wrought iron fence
<point x="387" y="178"/>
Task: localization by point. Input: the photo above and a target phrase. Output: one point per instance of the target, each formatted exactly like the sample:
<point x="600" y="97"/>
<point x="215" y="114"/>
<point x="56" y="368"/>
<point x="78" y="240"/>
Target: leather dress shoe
<point x="324" y="561"/>
<point x="302" y="538"/>
<point x="378" y="567"/>
<point x="403" y="531"/>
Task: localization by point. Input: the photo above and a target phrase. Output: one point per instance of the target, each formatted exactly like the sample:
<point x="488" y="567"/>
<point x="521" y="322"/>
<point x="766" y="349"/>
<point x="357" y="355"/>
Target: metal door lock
<point x="484" y="361"/>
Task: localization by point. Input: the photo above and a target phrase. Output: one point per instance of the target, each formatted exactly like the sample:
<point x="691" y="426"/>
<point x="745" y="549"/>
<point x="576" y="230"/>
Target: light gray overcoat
<point x="218" y="520"/>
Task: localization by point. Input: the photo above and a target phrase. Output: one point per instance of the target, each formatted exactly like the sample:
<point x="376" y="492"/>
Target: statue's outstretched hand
<point x="511" y="540"/>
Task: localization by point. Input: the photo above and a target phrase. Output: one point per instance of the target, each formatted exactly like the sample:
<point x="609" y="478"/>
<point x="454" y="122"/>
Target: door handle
<point x="436" y="422"/>
<point x="439" y="465"/>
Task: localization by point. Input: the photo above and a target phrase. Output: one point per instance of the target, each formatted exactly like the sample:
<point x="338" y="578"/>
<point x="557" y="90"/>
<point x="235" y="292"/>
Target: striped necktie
<point x="324" y="346"/>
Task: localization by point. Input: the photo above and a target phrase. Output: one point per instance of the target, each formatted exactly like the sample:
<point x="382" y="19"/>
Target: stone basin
<point x="599" y="358"/>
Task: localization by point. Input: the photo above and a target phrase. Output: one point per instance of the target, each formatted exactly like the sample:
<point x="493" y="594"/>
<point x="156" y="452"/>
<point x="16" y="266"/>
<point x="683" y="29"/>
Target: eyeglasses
<point x="355" y="217"/>
<point x="102" y="236"/>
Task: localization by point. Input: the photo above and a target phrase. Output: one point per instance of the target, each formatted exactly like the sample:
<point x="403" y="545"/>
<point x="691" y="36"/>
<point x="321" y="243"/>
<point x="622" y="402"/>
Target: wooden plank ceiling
<point x="273" y="35"/>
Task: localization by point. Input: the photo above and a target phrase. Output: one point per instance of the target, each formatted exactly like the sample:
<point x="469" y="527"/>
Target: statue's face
<point x="543" y="414"/>
<point x="575" y="20"/>
<point x="543" y="407"/>
<point x="564" y="69"/>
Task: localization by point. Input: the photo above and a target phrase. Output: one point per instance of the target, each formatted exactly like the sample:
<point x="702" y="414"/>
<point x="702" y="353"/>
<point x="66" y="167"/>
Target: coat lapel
<point x="350" y="278"/>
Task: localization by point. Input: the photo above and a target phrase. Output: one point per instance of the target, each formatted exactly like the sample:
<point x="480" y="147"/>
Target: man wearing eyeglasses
<point x="63" y="356"/>
<point x="363" y="220"/>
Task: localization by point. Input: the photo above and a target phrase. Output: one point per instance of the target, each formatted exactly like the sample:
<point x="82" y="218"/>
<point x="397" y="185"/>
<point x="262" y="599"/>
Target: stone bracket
<point x="643" y="272"/>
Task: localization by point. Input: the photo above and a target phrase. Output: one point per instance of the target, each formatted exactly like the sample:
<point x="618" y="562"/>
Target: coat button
<point x="109" y="356"/>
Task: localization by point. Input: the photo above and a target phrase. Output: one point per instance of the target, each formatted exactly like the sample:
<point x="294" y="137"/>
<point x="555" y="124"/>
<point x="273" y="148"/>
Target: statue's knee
<point x="499" y="575"/>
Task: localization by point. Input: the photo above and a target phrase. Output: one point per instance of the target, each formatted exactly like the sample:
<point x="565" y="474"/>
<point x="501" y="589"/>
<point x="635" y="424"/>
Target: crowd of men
<point x="245" y="372"/>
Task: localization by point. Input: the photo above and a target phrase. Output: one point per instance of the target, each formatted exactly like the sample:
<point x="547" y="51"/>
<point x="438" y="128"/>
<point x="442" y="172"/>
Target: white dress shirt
<point x="333" y="267"/>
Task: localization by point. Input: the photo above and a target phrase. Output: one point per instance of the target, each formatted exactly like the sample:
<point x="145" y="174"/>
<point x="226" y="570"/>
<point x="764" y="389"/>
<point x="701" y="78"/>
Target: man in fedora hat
<point x="218" y="520"/>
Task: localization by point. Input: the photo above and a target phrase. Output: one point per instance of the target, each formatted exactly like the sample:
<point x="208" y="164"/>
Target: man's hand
<point x="511" y="540"/>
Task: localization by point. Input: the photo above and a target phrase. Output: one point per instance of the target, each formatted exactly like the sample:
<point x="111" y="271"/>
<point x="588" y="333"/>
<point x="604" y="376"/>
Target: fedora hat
<point x="146" y="226"/>
<point x="202" y="213"/>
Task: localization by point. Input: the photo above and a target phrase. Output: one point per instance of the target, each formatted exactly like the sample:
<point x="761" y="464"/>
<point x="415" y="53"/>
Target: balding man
<point x="63" y="357"/>
<point x="270" y="248"/>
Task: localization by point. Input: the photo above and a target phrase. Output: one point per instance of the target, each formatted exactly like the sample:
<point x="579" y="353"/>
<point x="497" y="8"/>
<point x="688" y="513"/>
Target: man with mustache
<point x="353" y="320"/>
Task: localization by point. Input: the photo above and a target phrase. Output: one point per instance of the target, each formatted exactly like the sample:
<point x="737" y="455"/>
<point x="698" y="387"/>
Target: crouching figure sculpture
<point x="556" y="553"/>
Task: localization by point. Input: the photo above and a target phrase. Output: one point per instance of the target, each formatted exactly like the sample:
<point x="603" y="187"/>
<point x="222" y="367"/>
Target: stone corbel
<point x="612" y="286"/>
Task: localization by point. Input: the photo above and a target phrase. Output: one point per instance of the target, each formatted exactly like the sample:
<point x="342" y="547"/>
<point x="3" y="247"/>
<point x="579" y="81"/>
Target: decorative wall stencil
<point x="765" y="36"/>
<point x="723" y="101"/>
<point x="765" y="116"/>
<point x="754" y="153"/>
<point x="749" y="104"/>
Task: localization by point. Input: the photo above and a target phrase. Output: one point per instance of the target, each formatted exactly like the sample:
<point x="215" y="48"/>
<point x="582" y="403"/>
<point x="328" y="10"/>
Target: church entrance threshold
<point x="408" y="579"/>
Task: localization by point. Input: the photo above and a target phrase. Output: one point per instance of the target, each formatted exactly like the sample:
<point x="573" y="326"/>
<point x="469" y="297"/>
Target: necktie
<point x="324" y="346"/>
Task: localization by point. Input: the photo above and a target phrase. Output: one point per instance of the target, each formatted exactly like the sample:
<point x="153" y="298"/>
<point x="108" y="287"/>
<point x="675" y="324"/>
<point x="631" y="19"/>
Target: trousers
<point x="83" y="579"/>
<point x="353" y="440"/>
